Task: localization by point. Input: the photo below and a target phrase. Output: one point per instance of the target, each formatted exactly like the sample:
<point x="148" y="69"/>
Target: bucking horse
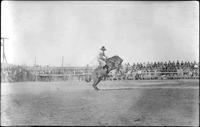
<point x="99" y="73"/>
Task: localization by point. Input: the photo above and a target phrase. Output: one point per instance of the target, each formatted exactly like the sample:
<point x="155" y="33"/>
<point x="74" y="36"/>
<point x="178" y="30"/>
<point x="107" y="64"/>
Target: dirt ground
<point x="119" y="103"/>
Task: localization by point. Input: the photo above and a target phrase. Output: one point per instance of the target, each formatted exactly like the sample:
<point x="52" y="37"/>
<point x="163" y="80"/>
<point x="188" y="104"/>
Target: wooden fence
<point x="132" y="76"/>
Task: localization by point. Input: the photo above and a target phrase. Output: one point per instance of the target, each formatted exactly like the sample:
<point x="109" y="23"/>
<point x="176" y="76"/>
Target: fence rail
<point x="131" y="76"/>
<point x="60" y="75"/>
<point x="18" y="74"/>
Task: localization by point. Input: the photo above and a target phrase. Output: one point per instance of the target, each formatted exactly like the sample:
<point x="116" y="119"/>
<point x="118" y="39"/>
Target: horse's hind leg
<point x="95" y="83"/>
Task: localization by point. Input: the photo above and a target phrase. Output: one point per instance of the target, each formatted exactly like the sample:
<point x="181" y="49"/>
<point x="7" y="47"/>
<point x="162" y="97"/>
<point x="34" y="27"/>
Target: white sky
<point x="137" y="31"/>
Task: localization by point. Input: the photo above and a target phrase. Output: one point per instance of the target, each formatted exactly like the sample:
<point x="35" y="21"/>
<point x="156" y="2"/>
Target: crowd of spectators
<point x="171" y="69"/>
<point x="16" y="73"/>
<point x="164" y="66"/>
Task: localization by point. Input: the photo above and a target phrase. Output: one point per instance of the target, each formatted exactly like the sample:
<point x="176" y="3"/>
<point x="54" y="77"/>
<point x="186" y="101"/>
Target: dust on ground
<point x="77" y="103"/>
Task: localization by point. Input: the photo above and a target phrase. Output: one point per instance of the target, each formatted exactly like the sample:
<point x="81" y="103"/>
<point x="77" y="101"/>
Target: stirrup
<point x="105" y="67"/>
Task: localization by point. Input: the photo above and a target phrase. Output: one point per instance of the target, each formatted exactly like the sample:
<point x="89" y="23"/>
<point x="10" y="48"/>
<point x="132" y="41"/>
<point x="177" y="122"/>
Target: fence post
<point x="35" y="76"/>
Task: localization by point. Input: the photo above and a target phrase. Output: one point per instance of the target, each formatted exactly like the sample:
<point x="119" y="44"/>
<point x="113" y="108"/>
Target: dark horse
<point x="99" y="73"/>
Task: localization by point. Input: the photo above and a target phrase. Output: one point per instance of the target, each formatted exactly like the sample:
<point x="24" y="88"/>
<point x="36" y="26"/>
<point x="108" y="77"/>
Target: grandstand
<point x="136" y="71"/>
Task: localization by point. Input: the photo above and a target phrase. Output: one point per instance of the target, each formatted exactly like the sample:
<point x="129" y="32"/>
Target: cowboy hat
<point x="103" y="48"/>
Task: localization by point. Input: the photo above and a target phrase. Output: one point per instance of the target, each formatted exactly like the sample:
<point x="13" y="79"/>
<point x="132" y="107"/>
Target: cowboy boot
<point x="106" y="68"/>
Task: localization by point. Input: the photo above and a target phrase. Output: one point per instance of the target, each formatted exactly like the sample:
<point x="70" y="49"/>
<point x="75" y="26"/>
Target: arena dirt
<point x="76" y="103"/>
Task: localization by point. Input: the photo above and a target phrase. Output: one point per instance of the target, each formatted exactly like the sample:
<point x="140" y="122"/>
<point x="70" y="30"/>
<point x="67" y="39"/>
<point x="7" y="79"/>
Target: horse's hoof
<point x="96" y="88"/>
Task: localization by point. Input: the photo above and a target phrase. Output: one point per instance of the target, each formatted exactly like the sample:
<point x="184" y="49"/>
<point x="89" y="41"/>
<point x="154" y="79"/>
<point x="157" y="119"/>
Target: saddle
<point x="104" y="67"/>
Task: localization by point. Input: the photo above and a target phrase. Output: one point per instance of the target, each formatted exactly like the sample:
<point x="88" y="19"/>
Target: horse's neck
<point x="110" y="69"/>
<point x="114" y="68"/>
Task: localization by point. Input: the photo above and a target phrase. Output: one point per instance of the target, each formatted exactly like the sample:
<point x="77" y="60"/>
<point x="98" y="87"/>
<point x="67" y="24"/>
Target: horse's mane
<point x="114" y="59"/>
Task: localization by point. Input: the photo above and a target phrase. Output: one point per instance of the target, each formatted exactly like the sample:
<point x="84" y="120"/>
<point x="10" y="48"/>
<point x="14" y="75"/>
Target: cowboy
<point x="102" y="58"/>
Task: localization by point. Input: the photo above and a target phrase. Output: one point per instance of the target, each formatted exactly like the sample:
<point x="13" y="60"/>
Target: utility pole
<point x="2" y="44"/>
<point x="35" y="61"/>
<point x="62" y="61"/>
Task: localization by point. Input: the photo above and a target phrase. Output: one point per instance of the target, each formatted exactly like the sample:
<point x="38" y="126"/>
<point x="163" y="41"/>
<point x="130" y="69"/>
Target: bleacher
<point x="136" y="71"/>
